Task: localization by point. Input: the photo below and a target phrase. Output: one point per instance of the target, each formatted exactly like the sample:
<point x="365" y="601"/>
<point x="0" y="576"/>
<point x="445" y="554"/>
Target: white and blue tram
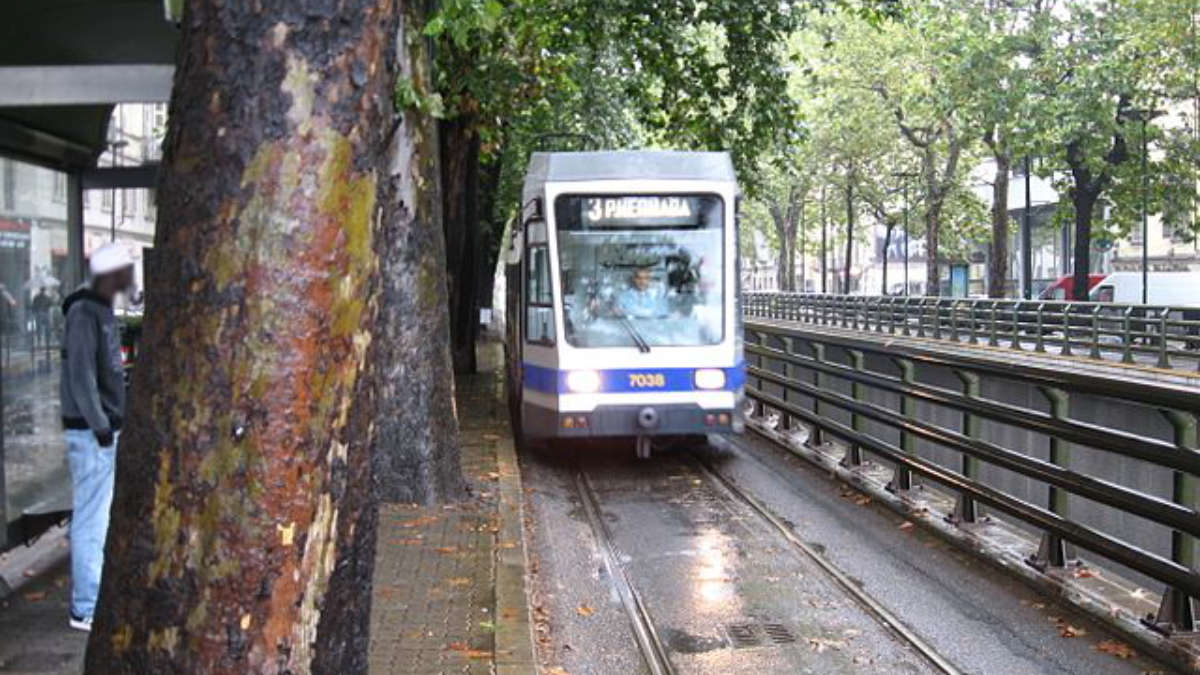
<point x="623" y="297"/>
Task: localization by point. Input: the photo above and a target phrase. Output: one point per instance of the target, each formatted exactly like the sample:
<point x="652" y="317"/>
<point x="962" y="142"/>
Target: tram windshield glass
<point x="642" y="270"/>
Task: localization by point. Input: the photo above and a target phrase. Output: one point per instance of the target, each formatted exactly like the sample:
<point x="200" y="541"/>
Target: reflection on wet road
<point x="724" y="593"/>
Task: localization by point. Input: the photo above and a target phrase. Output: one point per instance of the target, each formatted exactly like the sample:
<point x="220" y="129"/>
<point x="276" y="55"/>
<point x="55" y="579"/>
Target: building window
<point x="106" y="201"/>
<point x="10" y="185"/>
<point x="60" y="187"/>
<point x="128" y="204"/>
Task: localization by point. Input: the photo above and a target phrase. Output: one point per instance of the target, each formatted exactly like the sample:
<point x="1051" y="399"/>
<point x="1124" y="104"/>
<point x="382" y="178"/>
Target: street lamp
<point x="903" y="176"/>
<point x="1144" y="115"/>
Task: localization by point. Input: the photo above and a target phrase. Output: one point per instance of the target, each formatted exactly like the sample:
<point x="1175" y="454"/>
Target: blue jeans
<point x="92" y="483"/>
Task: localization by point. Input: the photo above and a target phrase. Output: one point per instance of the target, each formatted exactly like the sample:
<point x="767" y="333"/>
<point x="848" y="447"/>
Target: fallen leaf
<point x="1068" y="631"/>
<point x="1038" y="605"/>
<point x="458" y="581"/>
<point x="584" y="610"/>
<point x="1117" y="649"/>
<point x="556" y="670"/>
<point x="446" y="549"/>
<point x="35" y="596"/>
<point x="819" y="645"/>
<point x="906" y="525"/>
<point x="1084" y="573"/>
<point x="470" y="653"/>
<point x="862" y="500"/>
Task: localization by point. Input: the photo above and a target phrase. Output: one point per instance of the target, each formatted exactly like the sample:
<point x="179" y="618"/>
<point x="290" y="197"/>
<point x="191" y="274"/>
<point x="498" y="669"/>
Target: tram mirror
<point x="535" y="232"/>
<point x="516" y="242"/>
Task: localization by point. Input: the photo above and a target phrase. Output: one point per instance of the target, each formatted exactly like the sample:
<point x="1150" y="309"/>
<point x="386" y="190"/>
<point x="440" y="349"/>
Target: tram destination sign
<point x="640" y="210"/>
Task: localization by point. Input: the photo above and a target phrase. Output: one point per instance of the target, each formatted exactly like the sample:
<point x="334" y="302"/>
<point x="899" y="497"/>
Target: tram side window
<point x="539" y="317"/>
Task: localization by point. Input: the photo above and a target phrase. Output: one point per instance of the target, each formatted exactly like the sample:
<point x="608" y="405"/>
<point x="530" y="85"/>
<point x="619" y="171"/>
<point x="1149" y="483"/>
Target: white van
<point x="1166" y="288"/>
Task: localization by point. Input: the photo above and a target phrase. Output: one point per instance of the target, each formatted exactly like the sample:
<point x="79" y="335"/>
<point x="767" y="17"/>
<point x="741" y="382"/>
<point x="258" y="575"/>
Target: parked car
<point x="1064" y="287"/>
<point x="1166" y="288"/>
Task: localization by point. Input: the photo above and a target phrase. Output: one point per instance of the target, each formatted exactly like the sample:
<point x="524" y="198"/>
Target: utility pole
<point x="849" y="232"/>
<point x="1027" y="236"/>
<point x="824" y="244"/>
<point x="904" y="177"/>
<point x="1144" y="115"/>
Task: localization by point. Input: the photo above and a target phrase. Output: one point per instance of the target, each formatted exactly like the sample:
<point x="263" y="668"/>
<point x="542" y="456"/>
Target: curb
<point x="514" y="635"/>
<point x="20" y="565"/>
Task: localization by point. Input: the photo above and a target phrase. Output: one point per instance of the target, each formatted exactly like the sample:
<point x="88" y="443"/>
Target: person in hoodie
<point x="92" y="394"/>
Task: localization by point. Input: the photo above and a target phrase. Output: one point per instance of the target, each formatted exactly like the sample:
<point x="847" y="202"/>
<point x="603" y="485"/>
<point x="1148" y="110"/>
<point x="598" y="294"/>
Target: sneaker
<point x="80" y="623"/>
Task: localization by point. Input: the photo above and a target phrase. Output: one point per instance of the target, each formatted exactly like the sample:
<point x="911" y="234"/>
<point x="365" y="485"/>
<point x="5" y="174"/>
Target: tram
<point x="623" y="305"/>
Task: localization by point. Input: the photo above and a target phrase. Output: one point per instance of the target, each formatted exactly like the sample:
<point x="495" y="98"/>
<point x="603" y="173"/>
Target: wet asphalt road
<point x="727" y="594"/>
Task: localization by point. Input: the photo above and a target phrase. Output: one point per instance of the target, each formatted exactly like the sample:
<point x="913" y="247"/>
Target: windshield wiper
<point x="642" y="345"/>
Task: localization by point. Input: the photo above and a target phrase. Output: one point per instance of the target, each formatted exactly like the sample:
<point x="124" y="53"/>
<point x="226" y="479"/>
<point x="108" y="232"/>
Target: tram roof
<point x="631" y="165"/>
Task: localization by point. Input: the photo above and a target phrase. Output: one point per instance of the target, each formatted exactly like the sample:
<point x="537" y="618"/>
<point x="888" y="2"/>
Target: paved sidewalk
<point x="449" y="580"/>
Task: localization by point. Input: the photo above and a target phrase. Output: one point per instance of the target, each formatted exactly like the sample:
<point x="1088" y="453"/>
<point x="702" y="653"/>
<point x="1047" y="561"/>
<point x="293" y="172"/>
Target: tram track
<point x="652" y="649"/>
<point x="869" y="604"/>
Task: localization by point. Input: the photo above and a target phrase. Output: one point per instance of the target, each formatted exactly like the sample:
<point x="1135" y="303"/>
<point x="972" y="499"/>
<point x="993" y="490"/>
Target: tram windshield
<point x="642" y="270"/>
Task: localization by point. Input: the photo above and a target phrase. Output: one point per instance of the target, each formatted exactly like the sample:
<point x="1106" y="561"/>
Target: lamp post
<point x="1027" y="235"/>
<point x="903" y="176"/>
<point x="1144" y="115"/>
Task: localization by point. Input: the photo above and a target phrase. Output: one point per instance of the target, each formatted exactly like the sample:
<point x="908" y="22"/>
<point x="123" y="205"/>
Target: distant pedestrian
<point x="40" y="305"/>
<point x="93" y="405"/>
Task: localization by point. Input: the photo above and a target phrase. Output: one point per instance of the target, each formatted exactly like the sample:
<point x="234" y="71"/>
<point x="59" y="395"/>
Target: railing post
<point x="906" y="331"/>
<point x="937" y="319"/>
<point x="972" y="305"/>
<point x="993" y="336"/>
<point x="1095" y="351"/>
<point x="852" y="310"/>
<point x="891" y="308"/>
<point x="1039" y="343"/>
<point x="1176" y="613"/>
<point x="853" y="456"/>
<point x="1164" y="360"/>
<point x="1016" y="327"/>
<point x="902" y="478"/>
<point x="1053" y="551"/>
<point x="954" y="321"/>
<point x="921" y="317"/>
<point x="964" y="506"/>
<point x="1066" y="345"/>
<point x="1127" y="320"/>
<point x="818" y="357"/>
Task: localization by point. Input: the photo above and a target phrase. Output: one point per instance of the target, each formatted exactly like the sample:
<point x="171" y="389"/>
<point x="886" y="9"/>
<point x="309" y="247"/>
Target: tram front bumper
<point x="670" y="419"/>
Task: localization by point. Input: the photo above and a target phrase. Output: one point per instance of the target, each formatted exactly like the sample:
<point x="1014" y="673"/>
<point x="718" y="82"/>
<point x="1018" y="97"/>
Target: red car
<point x="1061" y="289"/>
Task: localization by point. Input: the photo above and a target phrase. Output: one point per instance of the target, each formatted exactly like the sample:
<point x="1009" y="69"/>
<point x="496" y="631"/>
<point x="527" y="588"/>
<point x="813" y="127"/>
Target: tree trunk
<point x="998" y="264"/>
<point x="887" y="245"/>
<point x="1084" y="202"/>
<point x="244" y="519"/>
<point x="933" y="219"/>
<point x="824" y="245"/>
<point x="416" y="446"/>
<point x="460" y="145"/>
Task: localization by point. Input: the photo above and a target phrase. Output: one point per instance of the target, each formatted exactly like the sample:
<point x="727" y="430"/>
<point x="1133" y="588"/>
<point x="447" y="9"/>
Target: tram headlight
<point x="583" y="381"/>
<point x="710" y="378"/>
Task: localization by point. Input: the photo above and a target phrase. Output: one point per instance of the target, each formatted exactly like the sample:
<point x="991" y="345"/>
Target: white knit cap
<point x="109" y="258"/>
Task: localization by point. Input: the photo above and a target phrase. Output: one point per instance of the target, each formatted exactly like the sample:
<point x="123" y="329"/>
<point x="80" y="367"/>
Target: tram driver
<point x="643" y="299"/>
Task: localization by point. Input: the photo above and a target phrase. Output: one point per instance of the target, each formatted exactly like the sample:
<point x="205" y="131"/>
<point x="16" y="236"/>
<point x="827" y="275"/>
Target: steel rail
<point x="873" y="607"/>
<point x="651" y="647"/>
<point x="1109" y="440"/>
<point x="1152" y="565"/>
<point x="1147" y="506"/>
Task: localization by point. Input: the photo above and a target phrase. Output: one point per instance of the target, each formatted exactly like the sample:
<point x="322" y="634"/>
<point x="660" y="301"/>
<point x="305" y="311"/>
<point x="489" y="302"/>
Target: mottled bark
<point x="243" y="523"/>
<point x="849" y="232"/>
<point x="416" y="451"/>
<point x="998" y="262"/>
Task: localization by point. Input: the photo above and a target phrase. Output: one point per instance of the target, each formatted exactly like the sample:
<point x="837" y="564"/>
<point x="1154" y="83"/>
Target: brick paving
<point x="434" y="609"/>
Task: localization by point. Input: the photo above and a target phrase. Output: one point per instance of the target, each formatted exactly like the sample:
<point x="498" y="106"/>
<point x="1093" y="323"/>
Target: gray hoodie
<point x="93" y="385"/>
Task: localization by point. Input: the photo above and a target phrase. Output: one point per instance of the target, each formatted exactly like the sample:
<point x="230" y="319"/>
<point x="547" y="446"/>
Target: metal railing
<point x="909" y="407"/>
<point x="1161" y="336"/>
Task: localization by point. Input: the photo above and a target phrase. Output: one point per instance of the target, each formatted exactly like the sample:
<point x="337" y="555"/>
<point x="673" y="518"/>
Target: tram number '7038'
<point x="647" y="380"/>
